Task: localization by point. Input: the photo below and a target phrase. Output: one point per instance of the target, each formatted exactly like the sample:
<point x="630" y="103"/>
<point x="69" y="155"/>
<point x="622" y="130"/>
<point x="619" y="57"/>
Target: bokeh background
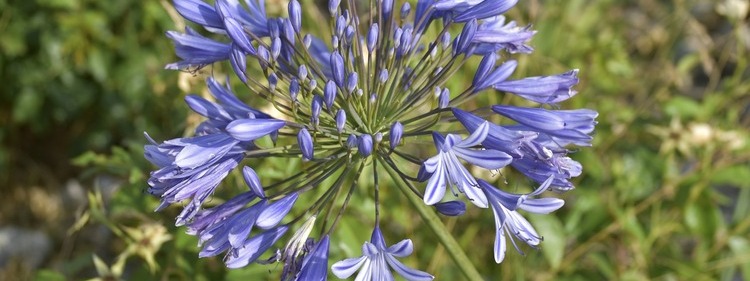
<point x="665" y="192"/>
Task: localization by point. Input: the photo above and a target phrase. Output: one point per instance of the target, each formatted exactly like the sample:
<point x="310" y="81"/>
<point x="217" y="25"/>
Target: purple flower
<point x="568" y="125"/>
<point x="196" y="50"/>
<point x="254" y="247"/>
<point x="377" y="261"/>
<point x="370" y="82"/>
<point x="191" y="168"/>
<point x="543" y="89"/>
<point x="509" y="222"/>
<point x="494" y="35"/>
<point x="447" y="170"/>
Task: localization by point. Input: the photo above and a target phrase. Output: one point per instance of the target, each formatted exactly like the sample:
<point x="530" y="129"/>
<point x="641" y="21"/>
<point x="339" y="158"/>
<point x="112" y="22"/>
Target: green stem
<point x="434" y="223"/>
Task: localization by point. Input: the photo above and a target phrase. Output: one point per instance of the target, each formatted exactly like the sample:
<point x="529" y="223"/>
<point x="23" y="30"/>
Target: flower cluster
<point x="364" y="95"/>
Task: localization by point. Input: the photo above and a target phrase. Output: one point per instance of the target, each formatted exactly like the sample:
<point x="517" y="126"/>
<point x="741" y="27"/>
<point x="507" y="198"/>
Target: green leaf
<point x="682" y="107"/>
<point x="48" y="275"/>
<point x="740" y="247"/>
<point x="553" y="246"/>
<point x="734" y="175"/>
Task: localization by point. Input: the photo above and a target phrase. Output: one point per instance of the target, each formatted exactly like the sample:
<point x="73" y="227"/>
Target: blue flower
<point x="447" y="170"/>
<point x="377" y="258"/>
<point x="368" y="96"/>
<point x="509" y="222"/>
<point x="568" y="126"/>
<point x="196" y="50"/>
<point x="494" y="35"/>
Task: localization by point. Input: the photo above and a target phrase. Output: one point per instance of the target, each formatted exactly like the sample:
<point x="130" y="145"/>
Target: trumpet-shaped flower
<point x="446" y="170"/>
<point x="377" y="260"/>
<point x="509" y="222"/>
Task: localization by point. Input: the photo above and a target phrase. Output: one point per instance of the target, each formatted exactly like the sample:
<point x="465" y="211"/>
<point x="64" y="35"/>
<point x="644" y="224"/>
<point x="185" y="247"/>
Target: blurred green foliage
<point x="664" y="195"/>
<point x="79" y="76"/>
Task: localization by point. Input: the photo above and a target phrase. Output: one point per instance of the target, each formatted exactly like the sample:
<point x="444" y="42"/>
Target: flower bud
<point x="451" y="208"/>
<point x="333" y="6"/>
<point x="329" y="94"/>
<point x="295" y="14"/>
<point x="351" y="82"/>
<point x="340" y="120"/>
<point x="252" y="181"/>
<point x="394" y="137"/>
<point x="372" y="37"/>
<point x="294" y="89"/>
<point x="305" y="144"/>
<point x="364" y="145"/>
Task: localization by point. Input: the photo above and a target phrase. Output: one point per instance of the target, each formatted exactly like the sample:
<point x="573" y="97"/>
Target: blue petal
<point x="500" y="244"/>
<point x="251" y="129"/>
<point x="498" y="138"/>
<point x="231" y="103"/>
<point x="236" y="32"/>
<point x="406" y="272"/>
<point x="275" y="212"/>
<point x="498" y="75"/>
<point x="477" y="137"/>
<point x="243" y="224"/>
<point x="377" y="238"/>
<point x="252" y="181"/>
<point x="203" y="149"/>
<point x="533" y="117"/>
<point x="486" y="9"/>
<point x="542" y="205"/>
<point x="315" y="265"/>
<point x="198" y="12"/>
<point x="451" y="208"/>
<point x="401" y="249"/>
<point x="345" y="268"/>
<point x="488" y="62"/>
<point x="239" y="62"/>
<point x="206" y="108"/>
<point x="254" y="247"/>
<point x="435" y="189"/>
<point x="489" y="159"/>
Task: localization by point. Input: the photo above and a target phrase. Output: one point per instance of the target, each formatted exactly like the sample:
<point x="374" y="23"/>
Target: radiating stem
<point x="434" y="223"/>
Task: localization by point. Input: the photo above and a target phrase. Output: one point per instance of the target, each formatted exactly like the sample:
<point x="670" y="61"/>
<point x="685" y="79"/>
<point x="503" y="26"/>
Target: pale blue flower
<point x="377" y="261"/>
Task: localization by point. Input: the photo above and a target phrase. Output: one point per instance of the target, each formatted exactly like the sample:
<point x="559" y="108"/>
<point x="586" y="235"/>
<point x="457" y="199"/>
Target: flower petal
<point x="275" y="212"/>
<point x="435" y="189"/>
<point x="542" y="205"/>
<point x="254" y="247"/>
<point x="251" y="129"/>
<point x="345" y="268"/>
<point x="401" y="249"/>
<point x="476" y="137"/>
<point x="489" y="159"/>
<point x="406" y="272"/>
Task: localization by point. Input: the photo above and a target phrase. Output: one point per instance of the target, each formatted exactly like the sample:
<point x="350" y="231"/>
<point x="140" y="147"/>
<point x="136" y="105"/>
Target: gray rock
<point x="28" y="246"/>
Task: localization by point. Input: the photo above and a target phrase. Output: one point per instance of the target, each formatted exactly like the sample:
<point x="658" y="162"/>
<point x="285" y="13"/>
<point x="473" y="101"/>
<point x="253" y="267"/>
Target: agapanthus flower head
<point x="368" y="95"/>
